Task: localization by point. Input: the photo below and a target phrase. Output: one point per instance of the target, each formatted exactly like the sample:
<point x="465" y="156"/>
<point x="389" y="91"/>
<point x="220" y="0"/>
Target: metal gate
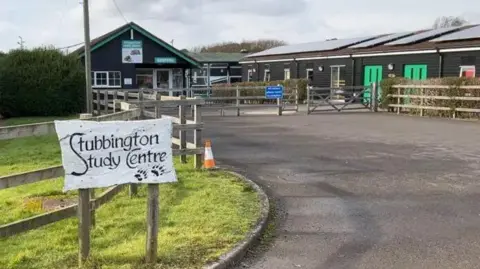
<point x="343" y="98"/>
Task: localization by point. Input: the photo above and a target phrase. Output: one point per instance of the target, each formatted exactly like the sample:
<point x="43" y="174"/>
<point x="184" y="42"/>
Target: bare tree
<point x="451" y="21"/>
<point x="248" y="45"/>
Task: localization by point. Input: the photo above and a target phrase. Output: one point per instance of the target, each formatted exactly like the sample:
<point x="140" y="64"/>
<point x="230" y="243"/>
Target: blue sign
<point x="165" y="60"/>
<point x="273" y="92"/>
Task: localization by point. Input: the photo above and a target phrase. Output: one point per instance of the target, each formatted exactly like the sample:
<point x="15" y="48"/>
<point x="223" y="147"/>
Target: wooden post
<point x="142" y="105"/>
<point x="87" y="116"/>
<point x="308" y="99"/>
<point x="182" y="134"/>
<point x="296" y="98"/>
<point x="105" y="99"/>
<point x="98" y="103"/>
<point x="421" y="101"/>
<point x="83" y="225"/>
<point x="279" y="105"/>
<point x="115" y="97"/>
<point x="398" y="101"/>
<point x="237" y="90"/>
<point x="152" y="223"/>
<point x="374" y="95"/>
<point x="197" y="159"/>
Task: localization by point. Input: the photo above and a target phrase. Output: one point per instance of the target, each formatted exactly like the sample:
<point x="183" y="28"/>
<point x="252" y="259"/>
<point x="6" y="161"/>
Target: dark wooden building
<point x="132" y="57"/>
<point x="360" y="61"/>
<point x="217" y="67"/>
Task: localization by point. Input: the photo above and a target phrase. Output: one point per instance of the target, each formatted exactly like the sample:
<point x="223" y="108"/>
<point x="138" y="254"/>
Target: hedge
<point x="41" y="82"/>
<point x="453" y="82"/>
<point x="289" y="88"/>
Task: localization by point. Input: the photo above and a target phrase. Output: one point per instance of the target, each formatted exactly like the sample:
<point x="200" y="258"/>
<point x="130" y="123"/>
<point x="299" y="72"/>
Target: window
<point x="310" y="74"/>
<point x="106" y="79"/>
<point x="250" y="75"/>
<point x="286" y="73"/>
<point x="467" y="71"/>
<point x="337" y="76"/>
<point x="266" y="76"/>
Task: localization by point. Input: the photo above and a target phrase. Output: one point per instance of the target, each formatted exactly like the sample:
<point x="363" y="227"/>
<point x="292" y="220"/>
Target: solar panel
<point x="469" y="33"/>
<point x="312" y="46"/>
<point x="422" y="36"/>
<point x="381" y="40"/>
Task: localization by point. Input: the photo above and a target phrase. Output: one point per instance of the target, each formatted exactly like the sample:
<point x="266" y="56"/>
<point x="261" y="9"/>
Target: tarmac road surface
<point x="360" y="190"/>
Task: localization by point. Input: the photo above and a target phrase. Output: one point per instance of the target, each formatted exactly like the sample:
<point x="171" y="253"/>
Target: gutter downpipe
<point x="440" y="63"/>
<point x="353" y="69"/>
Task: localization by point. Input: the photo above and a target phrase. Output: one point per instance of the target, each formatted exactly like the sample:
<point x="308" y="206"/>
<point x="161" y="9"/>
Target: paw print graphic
<point x="159" y="170"/>
<point x="141" y="175"/>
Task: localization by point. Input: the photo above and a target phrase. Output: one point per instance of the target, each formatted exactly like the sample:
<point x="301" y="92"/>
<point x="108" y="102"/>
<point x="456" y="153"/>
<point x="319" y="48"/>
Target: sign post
<point x="104" y="154"/>
<point x="275" y="92"/>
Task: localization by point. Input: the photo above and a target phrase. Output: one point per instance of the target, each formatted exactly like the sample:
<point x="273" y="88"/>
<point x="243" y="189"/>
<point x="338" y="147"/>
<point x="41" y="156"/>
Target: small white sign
<point x="127" y="81"/>
<point x="103" y="154"/>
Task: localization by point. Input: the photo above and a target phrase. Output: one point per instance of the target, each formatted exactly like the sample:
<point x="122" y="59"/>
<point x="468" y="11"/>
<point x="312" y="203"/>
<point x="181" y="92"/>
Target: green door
<point x="414" y="72"/>
<point x="372" y="74"/>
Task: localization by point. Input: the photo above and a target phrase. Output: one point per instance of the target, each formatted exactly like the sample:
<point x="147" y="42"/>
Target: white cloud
<point x="195" y="22"/>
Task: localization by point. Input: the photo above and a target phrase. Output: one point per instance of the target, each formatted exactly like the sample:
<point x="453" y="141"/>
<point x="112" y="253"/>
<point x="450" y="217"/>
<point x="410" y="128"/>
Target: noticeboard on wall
<point x="132" y="51"/>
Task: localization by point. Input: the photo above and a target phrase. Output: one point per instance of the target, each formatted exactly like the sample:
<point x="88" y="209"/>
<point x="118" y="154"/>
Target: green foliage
<point x="40" y="82"/>
<point x="289" y="88"/>
<point x="386" y="87"/>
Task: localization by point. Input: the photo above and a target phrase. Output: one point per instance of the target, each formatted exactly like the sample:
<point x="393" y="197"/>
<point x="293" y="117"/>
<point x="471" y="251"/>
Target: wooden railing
<point x="225" y="98"/>
<point x="435" y="99"/>
<point x="130" y="111"/>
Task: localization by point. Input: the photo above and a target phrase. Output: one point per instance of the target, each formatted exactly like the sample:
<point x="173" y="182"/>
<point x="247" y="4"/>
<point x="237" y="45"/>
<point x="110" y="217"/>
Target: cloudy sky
<point x="196" y="22"/>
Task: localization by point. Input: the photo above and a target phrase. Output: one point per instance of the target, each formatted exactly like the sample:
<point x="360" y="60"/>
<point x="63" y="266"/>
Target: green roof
<point x="217" y="57"/>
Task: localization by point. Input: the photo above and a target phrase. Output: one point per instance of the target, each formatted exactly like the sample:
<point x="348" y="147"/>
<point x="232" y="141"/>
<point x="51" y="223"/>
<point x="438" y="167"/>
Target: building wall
<point x="109" y="57"/>
<point x="399" y="61"/>
<point x="453" y="60"/>
<point x="354" y="71"/>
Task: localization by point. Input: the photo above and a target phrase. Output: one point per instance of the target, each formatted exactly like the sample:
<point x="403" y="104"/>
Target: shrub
<point x="453" y="83"/>
<point x="41" y="82"/>
<point x="289" y="88"/>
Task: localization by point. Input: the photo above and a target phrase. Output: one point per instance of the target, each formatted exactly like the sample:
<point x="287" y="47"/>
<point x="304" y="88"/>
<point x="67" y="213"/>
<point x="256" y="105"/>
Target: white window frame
<point x="249" y="74"/>
<point x="285" y="72"/>
<point x="265" y="75"/>
<point x="307" y="70"/>
<point x="467" y="67"/>
<point x="94" y="78"/>
<point x="331" y="75"/>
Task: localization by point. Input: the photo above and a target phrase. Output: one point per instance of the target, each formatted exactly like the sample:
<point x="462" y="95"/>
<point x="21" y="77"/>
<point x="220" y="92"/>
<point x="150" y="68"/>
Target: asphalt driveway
<point x="361" y="190"/>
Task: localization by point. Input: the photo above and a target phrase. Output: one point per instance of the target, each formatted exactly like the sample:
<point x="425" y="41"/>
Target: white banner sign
<point x="132" y="51"/>
<point x="103" y="154"/>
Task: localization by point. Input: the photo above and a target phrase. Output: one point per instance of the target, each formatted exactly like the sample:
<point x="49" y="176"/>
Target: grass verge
<point x="29" y="120"/>
<point x="201" y="217"/>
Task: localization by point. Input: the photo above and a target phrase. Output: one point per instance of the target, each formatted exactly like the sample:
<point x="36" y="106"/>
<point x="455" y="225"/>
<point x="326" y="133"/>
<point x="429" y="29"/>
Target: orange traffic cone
<point x="209" y="161"/>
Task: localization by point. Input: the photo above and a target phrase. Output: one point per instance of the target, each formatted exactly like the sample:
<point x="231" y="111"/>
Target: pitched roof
<point x="104" y="39"/>
<point x="217" y="57"/>
<point x="415" y="44"/>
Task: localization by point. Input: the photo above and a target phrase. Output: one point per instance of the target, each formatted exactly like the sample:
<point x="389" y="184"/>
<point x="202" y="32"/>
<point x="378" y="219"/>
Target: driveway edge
<point x="238" y="252"/>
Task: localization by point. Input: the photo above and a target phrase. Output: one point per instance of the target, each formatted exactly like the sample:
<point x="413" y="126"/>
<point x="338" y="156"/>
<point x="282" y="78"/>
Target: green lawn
<point x="28" y="120"/>
<point x="202" y="216"/>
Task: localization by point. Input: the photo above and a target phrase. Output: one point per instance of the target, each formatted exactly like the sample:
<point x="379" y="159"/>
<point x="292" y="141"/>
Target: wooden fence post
<point x="182" y="134"/>
<point x="87" y="116"/>
<point x="115" y="97"/>
<point x="197" y="159"/>
<point x="105" y="99"/>
<point x="83" y="225"/>
<point x="152" y="223"/>
<point x="296" y="98"/>
<point x="237" y="90"/>
<point x="398" y="101"/>
<point x="422" y="93"/>
<point x="98" y="103"/>
<point x="308" y="99"/>
<point x="142" y="105"/>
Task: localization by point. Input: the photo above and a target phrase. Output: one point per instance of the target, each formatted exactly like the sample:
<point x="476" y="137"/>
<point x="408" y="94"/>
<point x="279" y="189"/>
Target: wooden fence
<point x="222" y="99"/>
<point x="131" y="111"/>
<point x="440" y="100"/>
